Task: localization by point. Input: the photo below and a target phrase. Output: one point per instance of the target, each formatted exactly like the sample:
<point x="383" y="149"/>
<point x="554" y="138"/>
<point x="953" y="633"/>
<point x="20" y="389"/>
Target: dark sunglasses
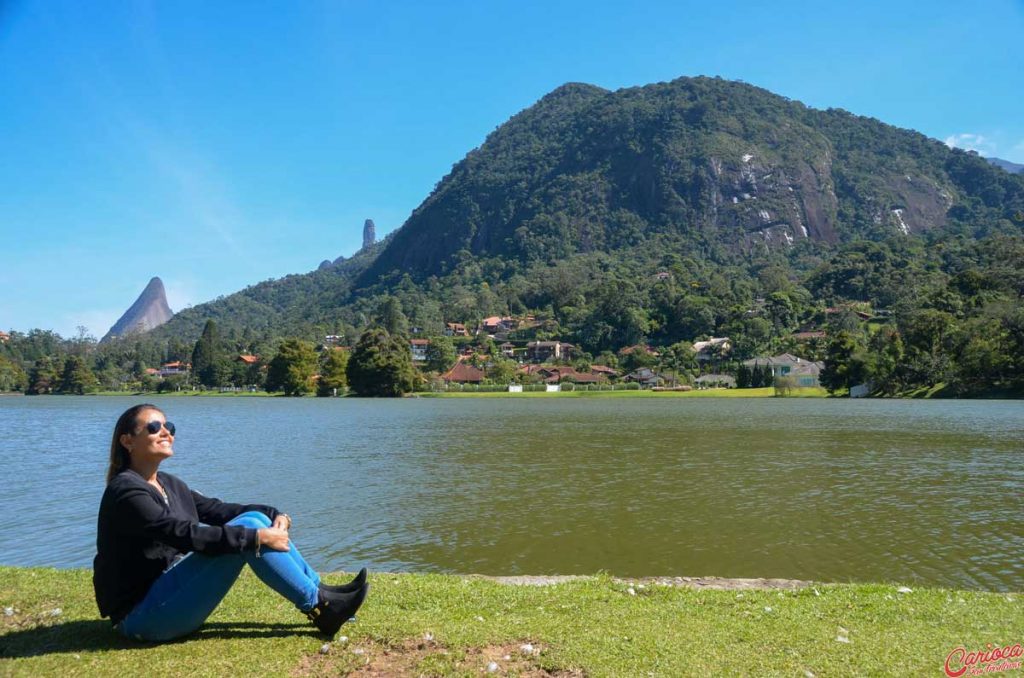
<point x="153" y="427"/>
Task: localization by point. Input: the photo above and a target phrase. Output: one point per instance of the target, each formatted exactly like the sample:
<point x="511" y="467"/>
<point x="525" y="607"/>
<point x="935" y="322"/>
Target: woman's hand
<point x="273" y="538"/>
<point x="283" y="521"/>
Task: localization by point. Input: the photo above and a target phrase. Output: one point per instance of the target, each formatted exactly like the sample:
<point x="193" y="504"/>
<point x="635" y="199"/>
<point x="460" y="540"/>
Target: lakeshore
<point x="427" y="624"/>
<point x="766" y="392"/>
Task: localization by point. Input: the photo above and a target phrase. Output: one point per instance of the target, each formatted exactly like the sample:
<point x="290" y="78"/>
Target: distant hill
<point x="717" y="164"/>
<point x="149" y="311"/>
<point x="1011" y="167"/>
<point x="717" y="179"/>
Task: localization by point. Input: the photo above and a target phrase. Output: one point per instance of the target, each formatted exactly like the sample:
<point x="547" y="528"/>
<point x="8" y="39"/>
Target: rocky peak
<point x="149" y="310"/>
<point x="369" y="233"/>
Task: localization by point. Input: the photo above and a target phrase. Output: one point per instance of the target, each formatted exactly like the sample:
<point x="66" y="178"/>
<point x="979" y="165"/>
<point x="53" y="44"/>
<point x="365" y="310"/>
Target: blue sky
<point x="220" y="144"/>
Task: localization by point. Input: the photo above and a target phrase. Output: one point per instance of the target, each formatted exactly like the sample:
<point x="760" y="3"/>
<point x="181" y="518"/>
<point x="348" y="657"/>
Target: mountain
<point x="1011" y="167"/>
<point x="149" y="311"/>
<point x="713" y="163"/>
<point x="589" y="190"/>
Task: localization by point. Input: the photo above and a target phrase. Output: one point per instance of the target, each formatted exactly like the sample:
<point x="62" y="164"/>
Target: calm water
<point x="835" y="490"/>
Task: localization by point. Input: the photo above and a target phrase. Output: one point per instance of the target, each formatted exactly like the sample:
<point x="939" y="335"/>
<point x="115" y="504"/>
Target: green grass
<point x="767" y="392"/>
<point x="592" y="626"/>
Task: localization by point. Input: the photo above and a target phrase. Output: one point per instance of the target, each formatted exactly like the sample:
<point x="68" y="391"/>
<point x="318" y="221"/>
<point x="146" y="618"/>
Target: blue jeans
<point x="181" y="599"/>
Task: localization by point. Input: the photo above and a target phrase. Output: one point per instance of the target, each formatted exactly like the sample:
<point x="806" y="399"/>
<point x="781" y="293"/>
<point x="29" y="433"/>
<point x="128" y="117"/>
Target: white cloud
<point x="972" y="142"/>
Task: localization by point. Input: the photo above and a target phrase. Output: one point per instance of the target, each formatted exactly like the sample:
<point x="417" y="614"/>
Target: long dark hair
<point x="119" y="457"/>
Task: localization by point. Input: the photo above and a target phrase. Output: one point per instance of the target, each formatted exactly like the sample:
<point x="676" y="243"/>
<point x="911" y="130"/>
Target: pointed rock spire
<point x="149" y="310"/>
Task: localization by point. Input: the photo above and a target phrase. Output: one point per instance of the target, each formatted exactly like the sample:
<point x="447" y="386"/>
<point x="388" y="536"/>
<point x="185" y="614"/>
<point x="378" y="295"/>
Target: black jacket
<point x="139" y="535"/>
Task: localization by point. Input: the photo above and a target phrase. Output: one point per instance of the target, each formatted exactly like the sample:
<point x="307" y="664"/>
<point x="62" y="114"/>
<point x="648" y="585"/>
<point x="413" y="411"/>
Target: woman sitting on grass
<point x="167" y="555"/>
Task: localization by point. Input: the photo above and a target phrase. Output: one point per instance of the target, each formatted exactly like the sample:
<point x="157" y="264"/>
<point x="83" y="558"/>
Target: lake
<point x="920" y="492"/>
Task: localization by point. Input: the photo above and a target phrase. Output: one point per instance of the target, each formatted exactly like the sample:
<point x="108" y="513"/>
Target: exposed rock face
<point x="704" y="163"/>
<point x="369" y="233"/>
<point x="772" y="203"/>
<point x="149" y="310"/>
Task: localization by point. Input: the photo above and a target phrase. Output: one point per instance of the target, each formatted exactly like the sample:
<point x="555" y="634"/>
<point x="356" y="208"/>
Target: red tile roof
<point x="463" y="372"/>
<point x="249" y="359"/>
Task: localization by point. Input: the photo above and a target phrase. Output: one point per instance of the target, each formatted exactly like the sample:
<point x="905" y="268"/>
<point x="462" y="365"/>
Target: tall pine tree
<point x="209" y="363"/>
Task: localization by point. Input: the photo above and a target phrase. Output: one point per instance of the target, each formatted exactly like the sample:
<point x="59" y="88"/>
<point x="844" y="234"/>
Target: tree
<point x="12" y="377"/>
<point x="502" y="371"/>
<point x="756" y="376"/>
<point x="333" y="373"/>
<point x="381" y="365"/>
<point x="637" y="357"/>
<point x="392" y="319"/>
<point x="43" y="377"/>
<point x="292" y="369"/>
<point x="743" y="377"/>
<point x="845" y="363"/>
<point x="441" y="354"/>
<point x="679" y="359"/>
<point x="209" y="363"/>
<point x="783" y="386"/>
<point x="885" y="360"/>
<point x="77" y="377"/>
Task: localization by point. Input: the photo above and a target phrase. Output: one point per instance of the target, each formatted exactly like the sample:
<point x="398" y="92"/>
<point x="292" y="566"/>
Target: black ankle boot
<point x="353" y="585"/>
<point x="334" y="609"/>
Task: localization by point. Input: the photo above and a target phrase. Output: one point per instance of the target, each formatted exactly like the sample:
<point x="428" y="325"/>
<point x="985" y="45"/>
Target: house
<point x="152" y="372"/>
<point x="549" y="350"/>
<point x="644" y="348"/>
<point x="862" y="315"/>
<point x="332" y="339"/>
<point x="553" y="374"/>
<point x="455" y="330"/>
<point x="714" y="348"/>
<point x="507" y="349"/>
<point x="463" y="373"/>
<point x="585" y="377"/>
<point x="248" y="359"/>
<point x="645" y="376"/>
<point x="662" y="275"/>
<point x="807" y="374"/>
<point x="804" y="372"/>
<point x="495" y="324"/>
<point x="608" y="372"/>
<point x="176" y="367"/>
<point x="418" y="348"/>
<point x="4" y="337"/>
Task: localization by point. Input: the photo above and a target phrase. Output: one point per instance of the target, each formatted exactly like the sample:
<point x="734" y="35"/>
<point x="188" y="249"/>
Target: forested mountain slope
<point x="719" y="167"/>
<point x="573" y="205"/>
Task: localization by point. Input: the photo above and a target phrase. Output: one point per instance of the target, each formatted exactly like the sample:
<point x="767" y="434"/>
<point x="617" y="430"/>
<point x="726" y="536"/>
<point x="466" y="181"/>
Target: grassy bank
<point x="768" y="392"/>
<point x="447" y="625"/>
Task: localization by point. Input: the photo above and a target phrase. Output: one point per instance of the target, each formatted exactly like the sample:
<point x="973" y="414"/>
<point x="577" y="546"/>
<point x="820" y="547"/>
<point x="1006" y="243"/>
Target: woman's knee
<point x="255" y="519"/>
